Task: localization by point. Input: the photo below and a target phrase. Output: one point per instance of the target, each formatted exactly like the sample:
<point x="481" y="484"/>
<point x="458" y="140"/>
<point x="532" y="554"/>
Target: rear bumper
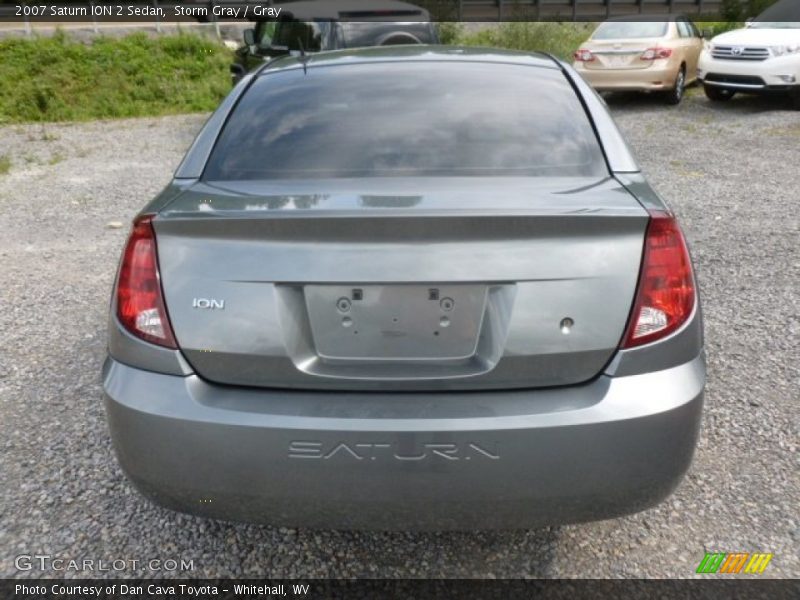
<point x="649" y="79"/>
<point x="517" y="459"/>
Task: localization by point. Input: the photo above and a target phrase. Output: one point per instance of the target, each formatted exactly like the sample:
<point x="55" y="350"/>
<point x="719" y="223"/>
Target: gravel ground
<point x="730" y="172"/>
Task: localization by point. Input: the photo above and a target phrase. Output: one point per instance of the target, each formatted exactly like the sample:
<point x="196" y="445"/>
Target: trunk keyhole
<point x="566" y="325"/>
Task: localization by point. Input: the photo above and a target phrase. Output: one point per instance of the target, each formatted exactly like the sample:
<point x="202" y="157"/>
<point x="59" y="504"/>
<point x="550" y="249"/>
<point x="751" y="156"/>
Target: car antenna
<point x="303" y="57"/>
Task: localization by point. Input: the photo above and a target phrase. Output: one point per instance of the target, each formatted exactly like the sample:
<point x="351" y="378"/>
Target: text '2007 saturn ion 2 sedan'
<point x="376" y="297"/>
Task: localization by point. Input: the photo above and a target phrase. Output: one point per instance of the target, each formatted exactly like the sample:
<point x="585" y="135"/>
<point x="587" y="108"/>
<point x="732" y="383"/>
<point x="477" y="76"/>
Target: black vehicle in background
<point x="314" y="27"/>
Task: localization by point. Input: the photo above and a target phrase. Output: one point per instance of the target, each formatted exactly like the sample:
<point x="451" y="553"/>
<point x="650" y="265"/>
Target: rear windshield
<point x="621" y="30"/>
<point x="397" y="119"/>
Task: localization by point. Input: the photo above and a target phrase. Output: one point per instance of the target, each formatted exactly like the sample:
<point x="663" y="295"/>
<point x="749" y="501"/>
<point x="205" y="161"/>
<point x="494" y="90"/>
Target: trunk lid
<point x="623" y="55"/>
<point x="392" y="284"/>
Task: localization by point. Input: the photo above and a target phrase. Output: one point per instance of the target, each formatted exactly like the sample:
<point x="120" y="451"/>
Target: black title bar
<point x="740" y="588"/>
<point x="436" y="10"/>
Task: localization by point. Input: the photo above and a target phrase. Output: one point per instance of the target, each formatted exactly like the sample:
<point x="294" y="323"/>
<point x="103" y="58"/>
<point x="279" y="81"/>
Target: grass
<point x="58" y="79"/>
<point x="717" y="27"/>
<point x="55" y="78"/>
<point x="559" y="39"/>
<point x="5" y="164"/>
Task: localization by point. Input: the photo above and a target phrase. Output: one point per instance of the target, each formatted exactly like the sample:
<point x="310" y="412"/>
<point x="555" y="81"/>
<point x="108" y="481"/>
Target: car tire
<point x="675" y="95"/>
<point x="716" y="94"/>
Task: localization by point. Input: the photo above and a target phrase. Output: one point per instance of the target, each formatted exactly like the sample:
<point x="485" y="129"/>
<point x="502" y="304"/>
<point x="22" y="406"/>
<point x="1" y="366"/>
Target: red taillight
<point x="583" y="55"/>
<point x="655" y="53"/>
<point x="140" y="303"/>
<point x="666" y="294"/>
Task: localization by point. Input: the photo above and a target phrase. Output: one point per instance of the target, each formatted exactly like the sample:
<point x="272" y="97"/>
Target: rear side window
<point x="621" y="30"/>
<point x="407" y="119"/>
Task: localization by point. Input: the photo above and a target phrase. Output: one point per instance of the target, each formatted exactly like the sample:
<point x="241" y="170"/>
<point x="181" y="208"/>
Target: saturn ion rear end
<point x="373" y="297"/>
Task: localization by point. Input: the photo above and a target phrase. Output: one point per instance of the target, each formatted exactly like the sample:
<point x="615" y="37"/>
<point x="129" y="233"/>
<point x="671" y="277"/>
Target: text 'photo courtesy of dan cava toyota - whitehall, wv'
<point x="339" y="293"/>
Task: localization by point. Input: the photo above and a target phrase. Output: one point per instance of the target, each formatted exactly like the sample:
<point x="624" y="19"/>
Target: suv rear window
<point x="299" y="35"/>
<point x="399" y="119"/>
<point x="358" y="35"/>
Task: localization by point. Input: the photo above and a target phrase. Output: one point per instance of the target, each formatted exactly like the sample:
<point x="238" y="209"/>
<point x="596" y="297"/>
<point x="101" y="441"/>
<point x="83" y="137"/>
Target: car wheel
<point x="716" y="94"/>
<point x="675" y="95"/>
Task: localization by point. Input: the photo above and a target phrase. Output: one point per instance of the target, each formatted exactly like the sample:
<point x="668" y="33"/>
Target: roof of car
<point x="416" y="53"/>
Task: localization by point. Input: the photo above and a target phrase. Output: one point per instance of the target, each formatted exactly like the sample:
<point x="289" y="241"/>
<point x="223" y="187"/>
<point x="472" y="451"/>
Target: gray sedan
<point x="406" y="288"/>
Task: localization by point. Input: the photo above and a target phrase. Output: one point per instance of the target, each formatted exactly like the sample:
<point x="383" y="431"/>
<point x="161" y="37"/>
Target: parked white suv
<point x="763" y="58"/>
